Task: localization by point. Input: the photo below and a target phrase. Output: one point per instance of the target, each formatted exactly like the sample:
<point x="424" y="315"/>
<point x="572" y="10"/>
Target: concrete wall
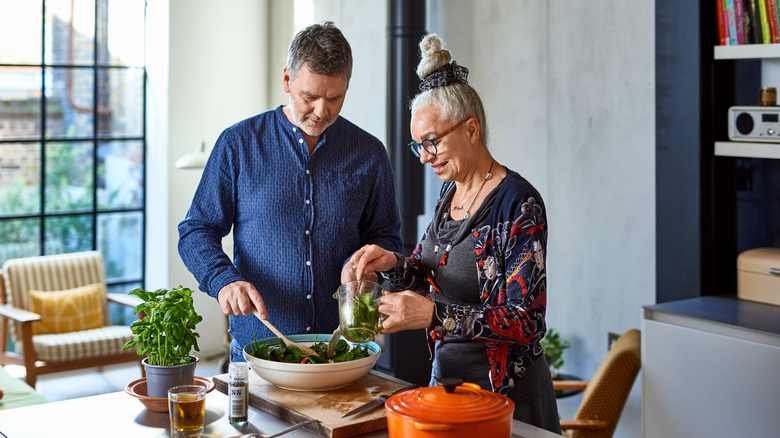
<point x="569" y="90"/>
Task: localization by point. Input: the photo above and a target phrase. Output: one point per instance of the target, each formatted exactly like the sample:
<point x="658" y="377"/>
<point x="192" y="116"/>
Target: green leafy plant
<point x="165" y="333"/>
<point x="554" y="346"/>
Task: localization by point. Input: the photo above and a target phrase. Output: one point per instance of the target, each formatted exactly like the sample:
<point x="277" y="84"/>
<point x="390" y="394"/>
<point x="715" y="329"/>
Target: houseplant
<point x="554" y="346"/>
<point x="165" y="334"/>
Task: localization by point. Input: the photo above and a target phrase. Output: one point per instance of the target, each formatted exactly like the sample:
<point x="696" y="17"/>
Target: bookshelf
<point x="742" y="149"/>
<point x="769" y="55"/>
<point x="748" y="51"/>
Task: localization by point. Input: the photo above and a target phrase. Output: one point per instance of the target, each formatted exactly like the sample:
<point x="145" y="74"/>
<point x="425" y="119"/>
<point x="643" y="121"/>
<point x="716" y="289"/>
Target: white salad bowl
<point x="310" y="376"/>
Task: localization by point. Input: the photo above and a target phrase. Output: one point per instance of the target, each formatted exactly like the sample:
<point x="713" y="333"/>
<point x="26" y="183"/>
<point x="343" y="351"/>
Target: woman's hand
<point x="405" y="311"/>
<point x="365" y="262"/>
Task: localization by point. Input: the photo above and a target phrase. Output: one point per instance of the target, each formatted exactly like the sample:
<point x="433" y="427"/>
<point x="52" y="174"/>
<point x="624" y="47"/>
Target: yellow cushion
<point x="68" y="310"/>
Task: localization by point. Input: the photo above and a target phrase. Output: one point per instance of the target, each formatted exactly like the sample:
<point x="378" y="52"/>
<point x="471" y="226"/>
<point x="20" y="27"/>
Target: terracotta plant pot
<point x="455" y="409"/>
<point x="159" y="379"/>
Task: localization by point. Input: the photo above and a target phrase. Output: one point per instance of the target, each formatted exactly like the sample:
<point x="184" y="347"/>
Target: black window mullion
<point x="42" y="136"/>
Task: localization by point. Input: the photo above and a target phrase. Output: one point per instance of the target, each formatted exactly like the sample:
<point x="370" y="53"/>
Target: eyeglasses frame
<point x="415" y="146"/>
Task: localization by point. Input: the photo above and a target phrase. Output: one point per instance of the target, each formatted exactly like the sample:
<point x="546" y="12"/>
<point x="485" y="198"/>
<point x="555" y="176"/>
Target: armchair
<point x="55" y="308"/>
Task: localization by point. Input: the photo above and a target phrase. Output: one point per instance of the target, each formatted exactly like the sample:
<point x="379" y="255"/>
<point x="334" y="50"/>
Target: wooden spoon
<point x="304" y="349"/>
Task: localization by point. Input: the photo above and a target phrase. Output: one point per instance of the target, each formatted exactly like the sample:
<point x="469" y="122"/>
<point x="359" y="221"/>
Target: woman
<point x="476" y="281"/>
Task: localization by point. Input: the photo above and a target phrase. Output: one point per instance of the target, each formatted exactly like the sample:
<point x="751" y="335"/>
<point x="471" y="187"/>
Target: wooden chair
<point x="606" y="392"/>
<point x="68" y="289"/>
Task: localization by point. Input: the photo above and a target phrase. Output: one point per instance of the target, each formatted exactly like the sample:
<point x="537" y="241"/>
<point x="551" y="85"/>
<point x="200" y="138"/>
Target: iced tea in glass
<point x="187" y="409"/>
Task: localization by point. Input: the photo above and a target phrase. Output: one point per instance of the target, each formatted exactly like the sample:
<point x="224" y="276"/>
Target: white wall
<point x="217" y="75"/>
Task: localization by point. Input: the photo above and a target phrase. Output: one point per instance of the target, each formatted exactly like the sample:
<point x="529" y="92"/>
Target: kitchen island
<point x="118" y="414"/>
<point x="710" y="368"/>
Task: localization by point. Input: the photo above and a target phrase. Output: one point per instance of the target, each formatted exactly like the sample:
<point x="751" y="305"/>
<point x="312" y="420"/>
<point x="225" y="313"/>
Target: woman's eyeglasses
<point x="429" y="144"/>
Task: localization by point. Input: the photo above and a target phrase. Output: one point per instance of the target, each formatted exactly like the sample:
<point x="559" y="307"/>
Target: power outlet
<point x="611" y="339"/>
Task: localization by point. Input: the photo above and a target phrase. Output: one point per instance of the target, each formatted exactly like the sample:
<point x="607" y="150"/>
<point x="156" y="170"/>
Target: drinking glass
<point x="187" y="409"/>
<point x="359" y="315"/>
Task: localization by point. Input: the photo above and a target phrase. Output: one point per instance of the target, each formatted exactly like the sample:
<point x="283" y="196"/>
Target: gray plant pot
<point x="159" y="379"/>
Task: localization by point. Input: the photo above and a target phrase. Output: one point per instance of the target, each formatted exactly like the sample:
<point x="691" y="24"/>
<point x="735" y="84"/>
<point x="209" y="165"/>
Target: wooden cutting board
<point x="326" y="406"/>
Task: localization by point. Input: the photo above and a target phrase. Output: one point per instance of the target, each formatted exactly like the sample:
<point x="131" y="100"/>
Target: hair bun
<point x="434" y="56"/>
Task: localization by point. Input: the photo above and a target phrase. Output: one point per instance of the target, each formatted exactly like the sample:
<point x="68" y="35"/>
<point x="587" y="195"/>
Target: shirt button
<point x="295" y="129"/>
<point x="308" y="329"/>
<point x="308" y="262"/>
<point x="307" y="172"/>
<point x="300" y="140"/>
<point x="308" y="202"/>
<point x="307" y="232"/>
<point x="308" y="297"/>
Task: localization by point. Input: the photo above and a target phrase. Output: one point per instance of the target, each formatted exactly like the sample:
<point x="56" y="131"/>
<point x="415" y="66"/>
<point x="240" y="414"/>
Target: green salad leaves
<point x="365" y="318"/>
<point x="291" y="354"/>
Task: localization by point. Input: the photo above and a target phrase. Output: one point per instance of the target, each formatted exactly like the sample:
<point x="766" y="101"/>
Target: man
<point x="302" y="188"/>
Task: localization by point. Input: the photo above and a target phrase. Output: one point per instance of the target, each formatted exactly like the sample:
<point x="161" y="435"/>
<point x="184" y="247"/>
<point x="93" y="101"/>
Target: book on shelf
<point x="771" y="10"/>
<point x="723" y="33"/>
<point x="732" y="20"/>
<point x="755" y="20"/>
<point x="766" y="35"/>
<point x="739" y="21"/>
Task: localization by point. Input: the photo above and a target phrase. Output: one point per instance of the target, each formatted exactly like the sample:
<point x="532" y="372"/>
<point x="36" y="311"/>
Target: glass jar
<point x="768" y="96"/>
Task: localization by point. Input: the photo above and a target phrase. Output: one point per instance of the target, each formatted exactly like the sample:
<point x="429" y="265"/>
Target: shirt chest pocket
<point x="343" y="198"/>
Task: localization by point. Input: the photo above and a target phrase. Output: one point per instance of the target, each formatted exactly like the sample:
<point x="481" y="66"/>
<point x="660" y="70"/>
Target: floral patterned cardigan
<point x="510" y="244"/>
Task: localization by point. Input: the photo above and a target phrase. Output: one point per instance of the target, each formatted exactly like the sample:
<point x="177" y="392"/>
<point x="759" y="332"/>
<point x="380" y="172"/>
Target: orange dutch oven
<point x="455" y="409"/>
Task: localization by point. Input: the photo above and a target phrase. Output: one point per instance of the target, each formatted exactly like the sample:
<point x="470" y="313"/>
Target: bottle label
<point x="238" y="403"/>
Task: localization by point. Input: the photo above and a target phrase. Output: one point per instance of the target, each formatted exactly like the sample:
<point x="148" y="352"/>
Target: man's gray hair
<point x="323" y="48"/>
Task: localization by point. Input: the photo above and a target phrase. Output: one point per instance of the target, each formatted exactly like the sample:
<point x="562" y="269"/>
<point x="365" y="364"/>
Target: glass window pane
<point x="20" y="102"/>
<point x="122" y="315"/>
<point x="121" y="33"/>
<point x="20" y="32"/>
<point x="119" y="240"/>
<point x="120" y="175"/>
<point x="69" y="180"/>
<point x="69" y="102"/>
<point x="19" y="238"/>
<point x="66" y="234"/>
<point x="70" y="32"/>
<point x="120" y="98"/>
<point x="20" y="178"/>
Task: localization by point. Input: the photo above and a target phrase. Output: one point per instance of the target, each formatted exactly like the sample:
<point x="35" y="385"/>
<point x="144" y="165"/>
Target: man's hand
<point x="241" y="298"/>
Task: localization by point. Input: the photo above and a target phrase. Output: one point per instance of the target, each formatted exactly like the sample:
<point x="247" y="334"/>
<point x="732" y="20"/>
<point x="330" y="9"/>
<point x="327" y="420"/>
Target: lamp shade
<point x="193" y="160"/>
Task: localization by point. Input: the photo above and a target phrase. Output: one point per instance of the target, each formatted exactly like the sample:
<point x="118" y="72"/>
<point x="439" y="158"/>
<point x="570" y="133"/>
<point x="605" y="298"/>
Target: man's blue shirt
<point x="296" y="218"/>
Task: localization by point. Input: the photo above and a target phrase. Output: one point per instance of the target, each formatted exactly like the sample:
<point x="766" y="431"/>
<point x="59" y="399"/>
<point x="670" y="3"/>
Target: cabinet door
<point x="701" y="384"/>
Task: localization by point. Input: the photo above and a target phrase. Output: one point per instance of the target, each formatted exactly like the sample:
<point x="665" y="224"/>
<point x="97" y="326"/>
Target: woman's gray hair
<point x="455" y="100"/>
<point x="325" y="50"/>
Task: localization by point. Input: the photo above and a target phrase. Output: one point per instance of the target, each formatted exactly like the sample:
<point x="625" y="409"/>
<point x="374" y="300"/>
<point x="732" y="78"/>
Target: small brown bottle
<point x="768" y="96"/>
<point x="238" y="393"/>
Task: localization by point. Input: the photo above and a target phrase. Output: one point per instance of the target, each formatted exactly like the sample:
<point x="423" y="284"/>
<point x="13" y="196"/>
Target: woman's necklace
<point x="443" y="260"/>
<point x="488" y="175"/>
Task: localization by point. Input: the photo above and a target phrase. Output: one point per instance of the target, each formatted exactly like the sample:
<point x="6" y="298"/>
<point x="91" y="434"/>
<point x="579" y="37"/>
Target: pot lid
<point x="452" y="402"/>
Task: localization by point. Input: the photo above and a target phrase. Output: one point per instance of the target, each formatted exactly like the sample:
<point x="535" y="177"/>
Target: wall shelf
<point x="748" y="51"/>
<point x="747" y="150"/>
